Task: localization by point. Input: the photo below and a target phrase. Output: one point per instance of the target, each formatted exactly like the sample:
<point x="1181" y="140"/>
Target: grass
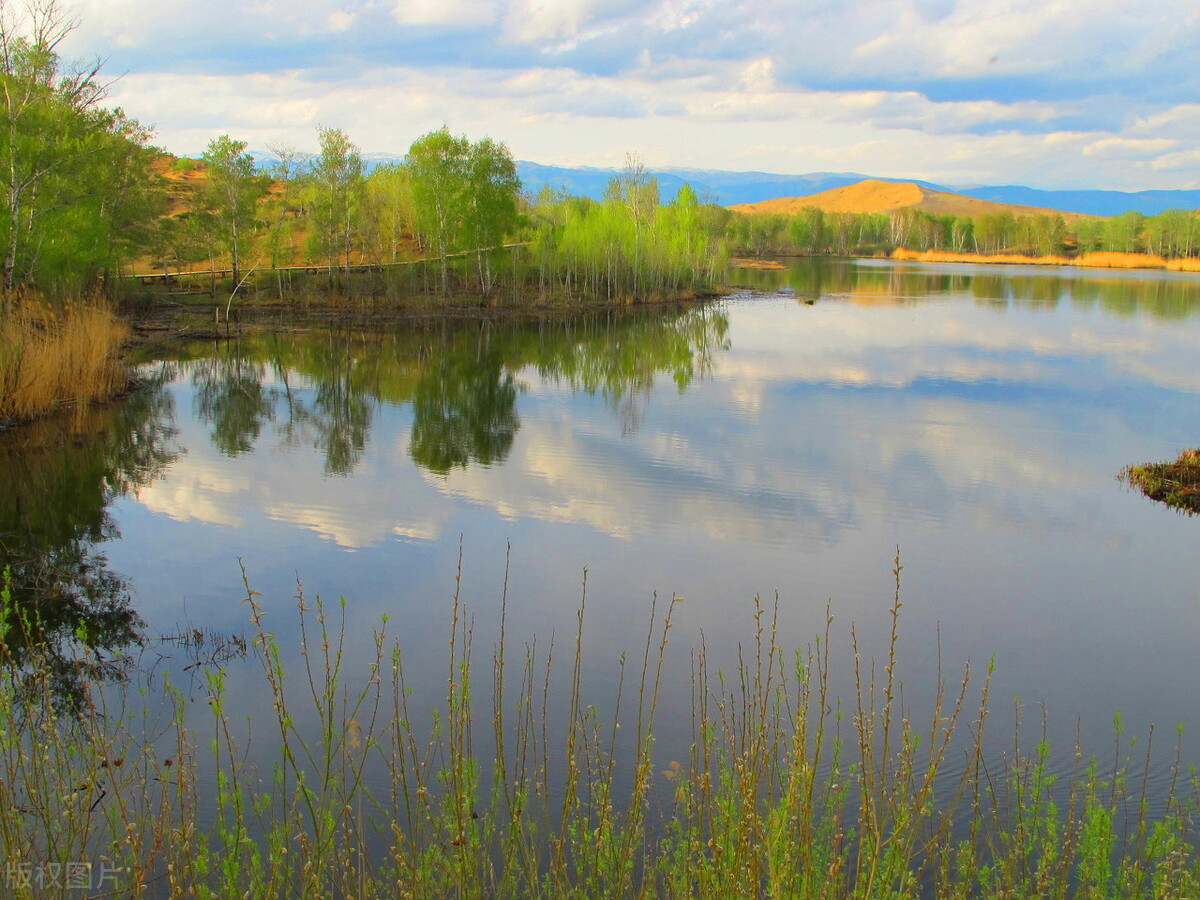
<point x="1177" y="484"/>
<point x="501" y="791"/>
<point x="53" y="355"/>
<point x="1101" y="260"/>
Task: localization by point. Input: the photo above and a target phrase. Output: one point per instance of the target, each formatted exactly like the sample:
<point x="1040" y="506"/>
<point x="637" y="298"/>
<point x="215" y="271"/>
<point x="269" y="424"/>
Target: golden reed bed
<point x="54" y="355"/>
<point x="1099" y="260"/>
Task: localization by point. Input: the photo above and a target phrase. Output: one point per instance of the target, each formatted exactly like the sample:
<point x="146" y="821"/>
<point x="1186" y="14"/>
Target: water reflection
<point x="461" y="379"/>
<point x="464" y="406"/>
<point x="976" y="420"/>
<point x="230" y="395"/>
<point x="1164" y="295"/>
<point x="61" y="477"/>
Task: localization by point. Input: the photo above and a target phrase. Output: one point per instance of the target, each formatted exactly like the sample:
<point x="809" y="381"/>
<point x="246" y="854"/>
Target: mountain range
<point x="732" y="188"/>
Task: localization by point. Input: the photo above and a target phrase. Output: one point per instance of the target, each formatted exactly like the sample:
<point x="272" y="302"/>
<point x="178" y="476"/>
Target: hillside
<point x="875" y="196"/>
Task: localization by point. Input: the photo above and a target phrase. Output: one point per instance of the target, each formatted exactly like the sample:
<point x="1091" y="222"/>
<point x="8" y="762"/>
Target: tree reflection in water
<point x="65" y="605"/>
<point x="464" y="406"/>
<point x="461" y="378"/>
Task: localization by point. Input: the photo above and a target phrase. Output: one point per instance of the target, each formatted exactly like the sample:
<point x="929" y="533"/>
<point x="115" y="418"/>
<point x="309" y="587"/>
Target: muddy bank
<point x="158" y="323"/>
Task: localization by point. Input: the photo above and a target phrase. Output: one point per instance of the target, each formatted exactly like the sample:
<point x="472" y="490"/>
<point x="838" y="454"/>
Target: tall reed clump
<point x="57" y="354"/>
<point x="785" y="791"/>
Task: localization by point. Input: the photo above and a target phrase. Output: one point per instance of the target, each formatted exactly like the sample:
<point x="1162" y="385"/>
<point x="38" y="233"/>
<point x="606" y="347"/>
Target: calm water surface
<point x="782" y="441"/>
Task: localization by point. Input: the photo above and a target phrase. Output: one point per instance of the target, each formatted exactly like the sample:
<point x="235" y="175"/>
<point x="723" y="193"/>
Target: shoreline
<point x="157" y="323"/>
<point x="1096" y="260"/>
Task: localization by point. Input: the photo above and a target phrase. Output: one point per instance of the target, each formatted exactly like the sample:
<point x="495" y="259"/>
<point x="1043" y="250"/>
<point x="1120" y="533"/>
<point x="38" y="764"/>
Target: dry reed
<point x="1098" y="260"/>
<point x="52" y="355"/>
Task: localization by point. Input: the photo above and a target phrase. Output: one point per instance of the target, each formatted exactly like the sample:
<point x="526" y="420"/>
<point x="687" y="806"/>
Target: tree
<point x="73" y="175"/>
<point x="232" y="193"/>
<point x="388" y="212"/>
<point x="1123" y="233"/>
<point x="492" y="190"/>
<point x="338" y="181"/>
<point x="465" y="196"/>
<point x="437" y="167"/>
<point x="286" y="173"/>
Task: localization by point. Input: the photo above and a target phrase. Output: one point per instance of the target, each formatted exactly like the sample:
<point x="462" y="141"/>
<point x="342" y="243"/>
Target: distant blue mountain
<point x="729" y="188"/>
<point x="714" y="185"/>
<point x="1098" y="203"/>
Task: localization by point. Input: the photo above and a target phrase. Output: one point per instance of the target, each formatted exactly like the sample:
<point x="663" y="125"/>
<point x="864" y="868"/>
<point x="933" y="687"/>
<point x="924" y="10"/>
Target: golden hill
<point x="874" y="196"/>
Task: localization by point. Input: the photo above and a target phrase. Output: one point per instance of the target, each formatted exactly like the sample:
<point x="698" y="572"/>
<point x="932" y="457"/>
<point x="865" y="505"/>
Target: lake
<point x="785" y="442"/>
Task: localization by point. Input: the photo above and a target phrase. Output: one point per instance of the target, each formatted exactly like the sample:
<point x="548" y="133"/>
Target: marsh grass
<point x="1177" y="484"/>
<point x="53" y="355"/>
<point x="1103" y="259"/>
<point x="784" y="792"/>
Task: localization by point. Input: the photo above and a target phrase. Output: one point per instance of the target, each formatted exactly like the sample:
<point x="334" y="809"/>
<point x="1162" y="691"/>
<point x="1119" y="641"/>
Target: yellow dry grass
<point x="1099" y="260"/>
<point x="874" y="196"/>
<point x="55" y="355"/>
<point x="739" y="262"/>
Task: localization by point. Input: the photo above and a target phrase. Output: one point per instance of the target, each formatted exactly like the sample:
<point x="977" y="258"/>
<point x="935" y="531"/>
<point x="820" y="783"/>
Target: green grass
<point x="1177" y="484"/>
<point x="786" y="790"/>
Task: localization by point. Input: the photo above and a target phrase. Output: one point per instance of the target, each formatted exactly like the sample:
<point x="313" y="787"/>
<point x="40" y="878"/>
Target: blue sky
<point x="1048" y="93"/>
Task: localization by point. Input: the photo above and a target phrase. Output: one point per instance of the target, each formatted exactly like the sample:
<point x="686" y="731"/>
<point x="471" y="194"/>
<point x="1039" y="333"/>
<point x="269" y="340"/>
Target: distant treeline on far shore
<point x="1171" y="234"/>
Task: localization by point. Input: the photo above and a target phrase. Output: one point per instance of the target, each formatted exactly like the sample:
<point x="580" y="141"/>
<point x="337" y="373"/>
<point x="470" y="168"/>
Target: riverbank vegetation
<point x="74" y="195"/>
<point x="1177" y="484"/>
<point x="1100" y="259"/>
<point x="514" y="785"/>
<point x="57" y="355"/>
<point x="1170" y="239"/>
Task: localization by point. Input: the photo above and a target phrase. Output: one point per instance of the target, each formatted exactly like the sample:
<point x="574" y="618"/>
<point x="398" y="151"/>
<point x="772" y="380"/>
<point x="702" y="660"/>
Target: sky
<point x="1055" y="94"/>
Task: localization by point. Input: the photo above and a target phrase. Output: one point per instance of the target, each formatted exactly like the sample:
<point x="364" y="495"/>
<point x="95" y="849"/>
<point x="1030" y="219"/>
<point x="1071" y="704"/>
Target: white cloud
<point x="535" y="21"/>
<point x="1129" y="148"/>
<point x="463" y="13"/>
<point x="778" y="85"/>
<point x="340" y="20"/>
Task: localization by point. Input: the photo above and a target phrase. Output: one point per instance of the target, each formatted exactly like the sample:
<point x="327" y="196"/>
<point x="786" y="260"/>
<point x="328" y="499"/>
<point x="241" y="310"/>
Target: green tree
<point x="437" y="165"/>
<point x="1123" y="233"/>
<point x="338" y="182"/>
<point x="1172" y="233"/>
<point x="465" y="196"/>
<point x="492" y="191"/>
<point x="74" y="177"/>
<point x="232" y="193"/>
<point x="388" y="212"/>
<point x="286" y="172"/>
<point x="1089" y="234"/>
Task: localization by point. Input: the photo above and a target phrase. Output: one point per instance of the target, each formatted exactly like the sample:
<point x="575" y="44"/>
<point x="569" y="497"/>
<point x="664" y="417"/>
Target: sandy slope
<point x="872" y="196"/>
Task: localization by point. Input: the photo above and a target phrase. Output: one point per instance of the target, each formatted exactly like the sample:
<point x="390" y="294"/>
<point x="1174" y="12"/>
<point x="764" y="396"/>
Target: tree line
<point x="84" y="198"/>
<point x="457" y="206"/>
<point x="1174" y="233"/>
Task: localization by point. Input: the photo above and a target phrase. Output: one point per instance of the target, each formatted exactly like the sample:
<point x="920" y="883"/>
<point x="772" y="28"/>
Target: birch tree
<point x="232" y="191"/>
<point x="337" y="176"/>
